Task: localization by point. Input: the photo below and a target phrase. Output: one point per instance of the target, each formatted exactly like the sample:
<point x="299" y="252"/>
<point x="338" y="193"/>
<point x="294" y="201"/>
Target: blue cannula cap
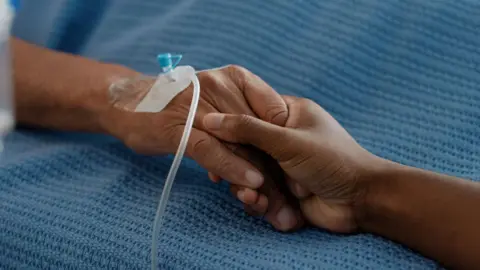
<point x="165" y="60"/>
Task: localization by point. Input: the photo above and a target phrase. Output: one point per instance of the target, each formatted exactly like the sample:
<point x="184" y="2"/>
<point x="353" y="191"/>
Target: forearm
<point x="434" y="214"/>
<point x="61" y="91"/>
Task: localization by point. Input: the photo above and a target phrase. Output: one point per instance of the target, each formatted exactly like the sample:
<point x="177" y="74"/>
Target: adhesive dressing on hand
<point x="157" y="93"/>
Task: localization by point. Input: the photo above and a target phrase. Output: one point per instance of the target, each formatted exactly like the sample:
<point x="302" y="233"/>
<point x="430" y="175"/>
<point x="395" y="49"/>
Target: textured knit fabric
<point x="403" y="77"/>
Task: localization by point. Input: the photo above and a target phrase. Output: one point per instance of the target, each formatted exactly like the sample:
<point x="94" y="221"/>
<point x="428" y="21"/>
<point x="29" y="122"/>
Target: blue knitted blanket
<point x="403" y="77"/>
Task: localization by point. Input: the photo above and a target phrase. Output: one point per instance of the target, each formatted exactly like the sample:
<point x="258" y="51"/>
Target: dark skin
<point x="343" y="188"/>
<point x="66" y="92"/>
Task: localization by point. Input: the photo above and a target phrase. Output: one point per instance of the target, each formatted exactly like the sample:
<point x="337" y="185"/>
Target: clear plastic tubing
<point x="7" y="12"/>
<point x="162" y="204"/>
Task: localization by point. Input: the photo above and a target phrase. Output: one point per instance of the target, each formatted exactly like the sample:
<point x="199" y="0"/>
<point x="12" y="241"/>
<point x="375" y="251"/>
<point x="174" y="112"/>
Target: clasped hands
<point x="305" y="177"/>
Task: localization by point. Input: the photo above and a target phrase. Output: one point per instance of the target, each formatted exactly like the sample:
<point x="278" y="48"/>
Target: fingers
<point x="257" y="209"/>
<point x="248" y="130"/>
<point x="275" y="209"/>
<point x="286" y="219"/>
<point x="273" y="188"/>
<point x="260" y="206"/>
<point x="273" y="206"/>
<point x="283" y="211"/>
<point x="245" y="195"/>
<point x="263" y="99"/>
<point x="215" y="178"/>
<point x="255" y="204"/>
<point x="216" y="158"/>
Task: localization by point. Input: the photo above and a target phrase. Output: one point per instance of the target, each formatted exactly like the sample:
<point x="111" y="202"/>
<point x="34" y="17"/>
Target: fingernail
<point x="253" y="178"/>
<point x="286" y="218"/>
<point x="241" y="195"/>
<point x="213" y="121"/>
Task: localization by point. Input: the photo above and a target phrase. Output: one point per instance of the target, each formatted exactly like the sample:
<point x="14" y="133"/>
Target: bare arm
<point x="435" y="214"/>
<point x="61" y="91"/>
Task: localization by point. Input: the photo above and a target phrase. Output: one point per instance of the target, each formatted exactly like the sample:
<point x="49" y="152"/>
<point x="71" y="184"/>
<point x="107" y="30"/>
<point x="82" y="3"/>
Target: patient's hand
<point x="232" y="90"/>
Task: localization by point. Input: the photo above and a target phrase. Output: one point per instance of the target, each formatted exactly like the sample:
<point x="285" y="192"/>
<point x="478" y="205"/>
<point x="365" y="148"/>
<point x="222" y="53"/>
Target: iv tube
<point x="162" y="204"/>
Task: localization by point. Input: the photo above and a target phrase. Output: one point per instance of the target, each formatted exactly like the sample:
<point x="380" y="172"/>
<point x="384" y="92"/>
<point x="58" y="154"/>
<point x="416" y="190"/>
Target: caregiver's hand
<point x="343" y="188"/>
<point x="324" y="165"/>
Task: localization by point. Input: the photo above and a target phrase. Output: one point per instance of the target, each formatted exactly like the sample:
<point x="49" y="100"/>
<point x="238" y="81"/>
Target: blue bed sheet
<point x="403" y="77"/>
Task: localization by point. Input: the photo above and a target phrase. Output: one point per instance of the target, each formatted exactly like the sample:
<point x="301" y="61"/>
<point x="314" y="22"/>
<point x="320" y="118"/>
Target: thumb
<point x="246" y="129"/>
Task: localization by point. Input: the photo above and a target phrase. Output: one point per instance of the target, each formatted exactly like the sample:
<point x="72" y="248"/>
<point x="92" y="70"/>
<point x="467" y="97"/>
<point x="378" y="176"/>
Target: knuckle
<point x="239" y="75"/>
<point x="208" y="79"/>
<point x="243" y="121"/>
<point x="200" y="147"/>
<point x="236" y="69"/>
<point x="305" y="102"/>
<point x="276" y="114"/>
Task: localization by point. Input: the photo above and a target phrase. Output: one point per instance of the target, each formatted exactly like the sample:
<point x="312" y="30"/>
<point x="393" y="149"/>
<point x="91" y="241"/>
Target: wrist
<point x="378" y="194"/>
<point x="99" y="103"/>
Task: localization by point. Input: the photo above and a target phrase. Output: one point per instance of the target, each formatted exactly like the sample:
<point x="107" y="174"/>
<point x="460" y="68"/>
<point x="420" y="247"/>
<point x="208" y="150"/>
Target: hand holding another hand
<point x="325" y="168"/>
<point x="232" y="90"/>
